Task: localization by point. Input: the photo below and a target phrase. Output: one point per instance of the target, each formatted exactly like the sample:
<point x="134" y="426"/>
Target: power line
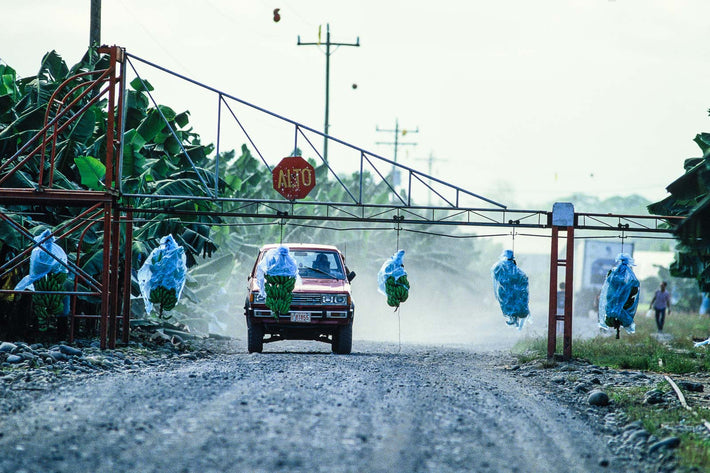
<point x="328" y="52"/>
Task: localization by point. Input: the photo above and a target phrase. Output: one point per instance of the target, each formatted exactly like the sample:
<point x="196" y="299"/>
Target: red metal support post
<point x="552" y="318"/>
<point x="569" y="294"/>
<point x="105" y="275"/>
<point x="566" y="316"/>
<point x="127" y="270"/>
<point x="114" y="288"/>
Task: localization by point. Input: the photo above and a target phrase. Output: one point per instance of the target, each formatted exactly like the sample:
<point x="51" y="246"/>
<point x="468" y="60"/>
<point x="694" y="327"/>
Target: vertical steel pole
<point x="111" y="119"/>
<point x="106" y="278"/>
<point x="105" y="275"/>
<point x="552" y="317"/>
<point x="219" y="128"/>
<point x="115" y="239"/>
<point x="123" y="103"/>
<point x="569" y="294"/>
<point x="127" y="271"/>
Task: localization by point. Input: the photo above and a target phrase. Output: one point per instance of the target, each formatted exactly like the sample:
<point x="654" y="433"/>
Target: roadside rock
<point x="14" y="359"/>
<point x="654" y="396"/>
<point x="669" y="442"/>
<point x="71" y="351"/>
<point x="598" y="398"/>
<point x="691" y="386"/>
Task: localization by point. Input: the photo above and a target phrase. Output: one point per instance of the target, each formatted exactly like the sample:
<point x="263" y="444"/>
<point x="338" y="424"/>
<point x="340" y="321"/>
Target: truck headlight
<point x="334" y="299"/>
<point x="257" y="298"/>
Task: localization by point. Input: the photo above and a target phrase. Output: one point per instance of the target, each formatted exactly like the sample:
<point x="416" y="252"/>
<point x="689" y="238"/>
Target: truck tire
<point x="255" y="338"/>
<point x="343" y="340"/>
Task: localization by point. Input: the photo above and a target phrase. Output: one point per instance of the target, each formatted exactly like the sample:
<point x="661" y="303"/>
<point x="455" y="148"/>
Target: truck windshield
<point x="319" y="264"/>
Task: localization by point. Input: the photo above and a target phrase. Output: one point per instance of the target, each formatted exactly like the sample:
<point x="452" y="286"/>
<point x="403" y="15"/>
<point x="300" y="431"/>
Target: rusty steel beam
<point x="53" y="197"/>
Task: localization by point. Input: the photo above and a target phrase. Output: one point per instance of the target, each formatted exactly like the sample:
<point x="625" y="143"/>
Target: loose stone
<point x="654" y="396"/>
<point x="598" y="398"/>
<point x="668" y="442"/>
<point x="691" y="386"/>
<point x="14" y="359"/>
<point x="71" y="351"/>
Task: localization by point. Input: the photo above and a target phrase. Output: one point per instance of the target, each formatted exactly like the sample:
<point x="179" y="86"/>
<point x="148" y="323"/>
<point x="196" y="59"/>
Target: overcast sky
<point x="522" y="101"/>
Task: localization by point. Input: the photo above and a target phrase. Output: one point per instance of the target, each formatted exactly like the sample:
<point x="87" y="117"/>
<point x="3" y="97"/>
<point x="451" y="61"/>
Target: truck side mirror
<point x="351" y="276"/>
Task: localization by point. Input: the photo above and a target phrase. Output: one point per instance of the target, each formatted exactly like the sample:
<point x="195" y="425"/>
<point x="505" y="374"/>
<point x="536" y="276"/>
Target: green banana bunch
<point x="397" y="291"/>
<point x="48" y="306"/>
<point x="279" y="295"/>
<point x="166" y="298"/>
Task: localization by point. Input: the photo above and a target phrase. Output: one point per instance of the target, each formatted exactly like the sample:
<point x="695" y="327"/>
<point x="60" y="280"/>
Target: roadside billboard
<point x="598" y="258"/>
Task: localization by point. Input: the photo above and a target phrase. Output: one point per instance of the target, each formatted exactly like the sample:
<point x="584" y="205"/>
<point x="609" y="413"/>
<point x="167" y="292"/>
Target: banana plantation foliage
<point x="154" y="163"/>
<point x="690" y="198"/>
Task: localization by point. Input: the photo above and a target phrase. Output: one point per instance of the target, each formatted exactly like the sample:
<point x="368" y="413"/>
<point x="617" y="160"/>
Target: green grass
<point x="638" y="351"/>
<point x="644" y="351"/>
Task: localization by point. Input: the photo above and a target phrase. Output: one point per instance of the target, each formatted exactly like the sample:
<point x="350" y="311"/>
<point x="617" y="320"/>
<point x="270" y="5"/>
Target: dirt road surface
<point x="299" y="408"/>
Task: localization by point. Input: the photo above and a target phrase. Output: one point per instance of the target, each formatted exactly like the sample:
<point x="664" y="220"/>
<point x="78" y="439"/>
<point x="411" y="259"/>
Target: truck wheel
<point x="343" y="340"/>
<point x="255" y="338"/>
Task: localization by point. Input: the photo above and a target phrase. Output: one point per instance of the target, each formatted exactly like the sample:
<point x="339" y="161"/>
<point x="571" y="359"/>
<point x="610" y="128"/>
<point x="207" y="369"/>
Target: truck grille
<point x="305" y="299"/>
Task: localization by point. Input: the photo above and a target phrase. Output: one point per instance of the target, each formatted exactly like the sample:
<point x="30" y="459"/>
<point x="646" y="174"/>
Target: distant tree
<point x="630" y="205"/>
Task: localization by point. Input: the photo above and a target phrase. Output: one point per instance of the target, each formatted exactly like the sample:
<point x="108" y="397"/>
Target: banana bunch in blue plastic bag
<point x="392" y="280"/>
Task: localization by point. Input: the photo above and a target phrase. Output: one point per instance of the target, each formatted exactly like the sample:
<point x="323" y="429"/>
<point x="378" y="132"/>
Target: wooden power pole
<point x="95" y="26"/>
<point x="328" y="44"/>
<point x="396" y="143"/>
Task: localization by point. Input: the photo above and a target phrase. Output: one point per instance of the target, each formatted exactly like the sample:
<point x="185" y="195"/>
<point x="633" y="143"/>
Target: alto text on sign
<point x="294" y="177"/>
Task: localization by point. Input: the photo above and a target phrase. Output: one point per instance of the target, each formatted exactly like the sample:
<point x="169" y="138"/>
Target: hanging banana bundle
<point x="397" y="290"/>
<point x="619" y="299"/>
<point x="279" y="293"/>
<point x="167" y="298"/>
<point x="48" y="306"/>
<point x="162" y="277"/>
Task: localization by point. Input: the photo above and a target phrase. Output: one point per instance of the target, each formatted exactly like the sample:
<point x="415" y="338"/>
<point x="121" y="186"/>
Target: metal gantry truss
<point x="114" y="210"/>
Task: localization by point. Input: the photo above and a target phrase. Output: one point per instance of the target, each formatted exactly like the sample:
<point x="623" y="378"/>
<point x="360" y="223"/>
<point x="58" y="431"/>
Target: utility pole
<point x="95" y="24"/>
<point x="430" y="160"/>
<point x="396" y="143"/>
<point x="328" y="44"/>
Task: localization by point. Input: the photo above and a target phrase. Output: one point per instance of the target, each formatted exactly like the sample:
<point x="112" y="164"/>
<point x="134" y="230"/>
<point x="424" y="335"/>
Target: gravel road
<point x="299" y="408"/>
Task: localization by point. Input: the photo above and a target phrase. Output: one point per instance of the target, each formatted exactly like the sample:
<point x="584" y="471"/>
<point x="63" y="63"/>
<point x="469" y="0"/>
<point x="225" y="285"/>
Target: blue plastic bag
<point x="705" y="304"/>
<point x="276" y="262"/>
<point x="619" y="297"/>
<point x="41" y="263"/>
<point x="165" y="266"/>
<point x="394" y="267"/>
<point x="510" y="286"/>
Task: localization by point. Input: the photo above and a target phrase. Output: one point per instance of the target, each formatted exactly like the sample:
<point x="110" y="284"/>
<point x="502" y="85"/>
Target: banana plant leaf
<point x="92" y="172"/>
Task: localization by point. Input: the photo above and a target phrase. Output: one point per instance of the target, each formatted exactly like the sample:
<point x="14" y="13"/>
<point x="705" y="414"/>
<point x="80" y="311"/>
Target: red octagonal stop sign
<point x="294" y="178"/>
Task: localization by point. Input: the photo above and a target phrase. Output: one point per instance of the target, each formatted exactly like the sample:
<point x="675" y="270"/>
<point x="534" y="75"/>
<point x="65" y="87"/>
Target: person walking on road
<point x="660" y="303"/>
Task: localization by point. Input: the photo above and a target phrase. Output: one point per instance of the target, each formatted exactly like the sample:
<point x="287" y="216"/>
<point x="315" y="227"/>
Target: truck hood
<point x="322" y="285"/>
<point x="313" y="285"/>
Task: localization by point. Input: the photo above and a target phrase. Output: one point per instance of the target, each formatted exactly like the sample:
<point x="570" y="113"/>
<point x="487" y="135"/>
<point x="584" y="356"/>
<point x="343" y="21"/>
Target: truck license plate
<point x="301" y="317"/>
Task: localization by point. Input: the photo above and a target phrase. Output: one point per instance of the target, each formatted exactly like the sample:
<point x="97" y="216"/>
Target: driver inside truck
<point x="321" y="263"/>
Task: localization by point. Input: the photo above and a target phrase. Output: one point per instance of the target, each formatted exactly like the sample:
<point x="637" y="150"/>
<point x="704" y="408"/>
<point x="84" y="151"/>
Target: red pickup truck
<point x="322" y="306"/>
